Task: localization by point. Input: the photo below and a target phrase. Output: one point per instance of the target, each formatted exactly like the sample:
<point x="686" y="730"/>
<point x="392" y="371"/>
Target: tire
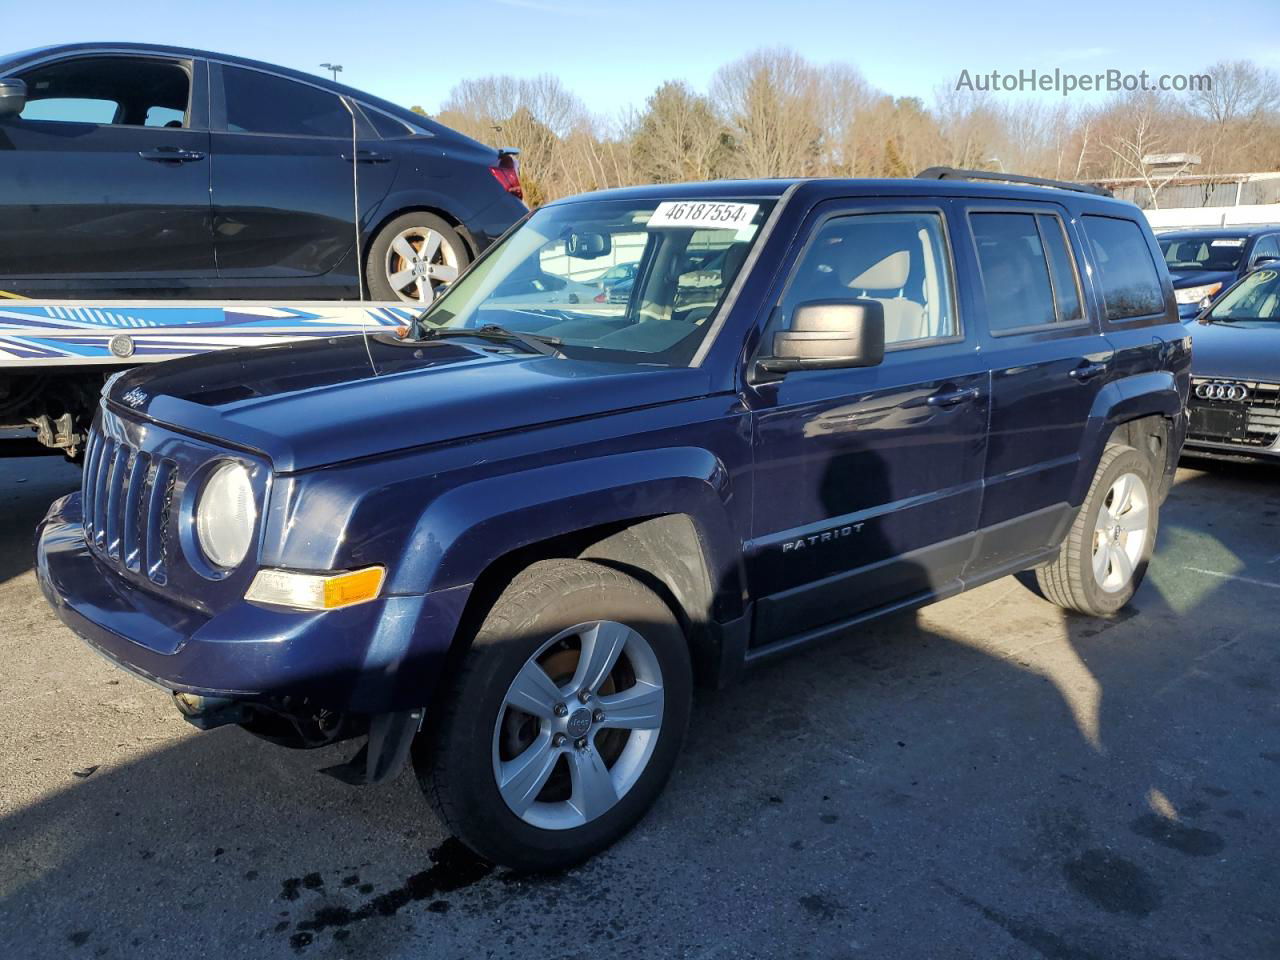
<point x="396" y="269"/>
<point x="1072" y="580"/>
<point x="564" y="816"/>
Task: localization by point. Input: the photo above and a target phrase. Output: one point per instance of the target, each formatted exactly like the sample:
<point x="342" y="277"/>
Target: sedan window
<point x="258" y="102"/>
<point x="125" y="91"/>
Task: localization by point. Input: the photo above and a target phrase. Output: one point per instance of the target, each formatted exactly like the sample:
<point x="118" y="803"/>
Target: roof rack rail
<point x="954" y="173"/>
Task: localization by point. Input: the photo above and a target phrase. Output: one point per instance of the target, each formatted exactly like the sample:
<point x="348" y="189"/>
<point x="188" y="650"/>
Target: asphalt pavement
<point x="987" y="778"/>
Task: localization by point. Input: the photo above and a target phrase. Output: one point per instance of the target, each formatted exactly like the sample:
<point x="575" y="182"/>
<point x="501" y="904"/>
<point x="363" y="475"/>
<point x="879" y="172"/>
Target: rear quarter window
<point x="1126" y="272"/>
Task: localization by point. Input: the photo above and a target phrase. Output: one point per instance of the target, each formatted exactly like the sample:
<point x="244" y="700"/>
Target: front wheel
<point x="1105" y="556"/>
<point x="565" y="720"/>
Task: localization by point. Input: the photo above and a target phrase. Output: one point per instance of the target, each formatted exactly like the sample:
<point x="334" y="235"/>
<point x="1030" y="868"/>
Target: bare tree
<point x="1137" y="126"/>
<point x="679" y="137"/>
<point x="771" y="99"/>
<point x="970" y="127"/>
<point x="1239" y="109"/>
<point x="773" y="113"/>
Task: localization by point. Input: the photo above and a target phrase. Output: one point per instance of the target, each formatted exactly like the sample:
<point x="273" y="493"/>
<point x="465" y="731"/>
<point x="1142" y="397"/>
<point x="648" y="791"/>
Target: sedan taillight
<point x="508" y="174"/>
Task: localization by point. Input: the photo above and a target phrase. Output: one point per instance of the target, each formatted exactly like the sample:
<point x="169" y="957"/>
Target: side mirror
<point x="829" y="335"/>
<point x="1263" y="261"/>
<point x="13" y="96"/>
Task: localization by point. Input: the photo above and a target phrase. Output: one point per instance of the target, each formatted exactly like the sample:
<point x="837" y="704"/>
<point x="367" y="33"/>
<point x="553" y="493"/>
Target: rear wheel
<point x="1102" y="562"/>
<point x="414" y="258"/>
<point x="565" y="720"/>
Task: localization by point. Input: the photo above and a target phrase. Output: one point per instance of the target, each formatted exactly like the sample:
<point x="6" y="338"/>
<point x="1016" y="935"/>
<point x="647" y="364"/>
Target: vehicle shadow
<point x="986" y="777"/>
<point x="27" y="486"/>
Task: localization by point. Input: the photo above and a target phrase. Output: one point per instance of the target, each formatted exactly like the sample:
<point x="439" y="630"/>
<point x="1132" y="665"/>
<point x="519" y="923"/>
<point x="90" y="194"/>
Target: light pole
<point x="334" y="68"/>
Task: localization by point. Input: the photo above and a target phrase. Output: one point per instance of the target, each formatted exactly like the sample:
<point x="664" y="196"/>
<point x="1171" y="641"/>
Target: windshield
<point x="623" y="280"/>
<point x="1203" y="253"/>
<point x="1256" y="297"/>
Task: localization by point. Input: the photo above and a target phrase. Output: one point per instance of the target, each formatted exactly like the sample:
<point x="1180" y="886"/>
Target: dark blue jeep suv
<point x="506" y="542"/>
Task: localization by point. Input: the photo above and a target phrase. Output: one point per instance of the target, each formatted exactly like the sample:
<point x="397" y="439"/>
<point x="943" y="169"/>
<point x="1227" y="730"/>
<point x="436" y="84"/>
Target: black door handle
<point x="367" y="156"/>
<point x="1087" y="371"/>
<point x="953" y="398"/>
<point x="171" y="155"/>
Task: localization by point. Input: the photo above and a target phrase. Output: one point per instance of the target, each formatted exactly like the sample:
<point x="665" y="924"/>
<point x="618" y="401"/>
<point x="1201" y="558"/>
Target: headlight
<point x="1196" y="294"/>
<point x="225" y="515"/>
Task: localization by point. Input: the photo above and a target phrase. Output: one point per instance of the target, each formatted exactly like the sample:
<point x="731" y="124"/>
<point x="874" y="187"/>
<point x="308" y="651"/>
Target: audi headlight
<point x="1201" y="294"/>
<point x="225" y="515"/>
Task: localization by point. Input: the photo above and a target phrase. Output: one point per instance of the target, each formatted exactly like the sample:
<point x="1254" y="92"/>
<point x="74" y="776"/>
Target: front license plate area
<point x="1226" y="423"/>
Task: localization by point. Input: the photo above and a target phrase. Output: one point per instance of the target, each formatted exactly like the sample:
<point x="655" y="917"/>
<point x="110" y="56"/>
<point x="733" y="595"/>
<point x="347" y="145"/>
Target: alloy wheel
<point x="420" y="263"/>
<point x="578" y="725"/>
<point x="1120" y="532"/>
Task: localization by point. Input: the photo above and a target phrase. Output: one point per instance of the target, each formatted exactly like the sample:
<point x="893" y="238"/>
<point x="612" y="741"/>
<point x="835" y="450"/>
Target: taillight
<point x="602" y="297"/>
<point x="507" y="174"/>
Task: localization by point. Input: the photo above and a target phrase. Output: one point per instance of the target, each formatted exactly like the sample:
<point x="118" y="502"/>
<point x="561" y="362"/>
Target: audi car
<point x="1235" y="390"/>
<point x="1204" y="263"/>
<point x="147" y="171"/>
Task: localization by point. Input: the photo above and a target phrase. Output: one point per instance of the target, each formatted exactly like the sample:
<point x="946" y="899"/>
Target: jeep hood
<point x="1236" y="351"/>
<point x="310" y="403"/>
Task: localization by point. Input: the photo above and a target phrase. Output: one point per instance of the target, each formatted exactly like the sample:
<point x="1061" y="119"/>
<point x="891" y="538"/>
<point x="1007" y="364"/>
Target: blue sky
<point x="614" y="53"/>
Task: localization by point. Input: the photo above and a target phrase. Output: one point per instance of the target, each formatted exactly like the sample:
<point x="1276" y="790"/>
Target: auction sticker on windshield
<point x="703" y="214"/>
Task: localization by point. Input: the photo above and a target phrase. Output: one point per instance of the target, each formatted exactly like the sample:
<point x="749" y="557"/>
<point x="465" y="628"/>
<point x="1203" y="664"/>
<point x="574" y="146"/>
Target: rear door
<point x="106" y="176"/>
<point x="284" y="197"/>
<point x="868" y="481"/>
<point x="1048" y="362"/>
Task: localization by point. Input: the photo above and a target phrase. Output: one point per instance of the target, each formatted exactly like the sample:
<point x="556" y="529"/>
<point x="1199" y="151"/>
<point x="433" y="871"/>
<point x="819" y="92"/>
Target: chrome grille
<point x="127" y="496"/>
<point x="1235" y="411"/>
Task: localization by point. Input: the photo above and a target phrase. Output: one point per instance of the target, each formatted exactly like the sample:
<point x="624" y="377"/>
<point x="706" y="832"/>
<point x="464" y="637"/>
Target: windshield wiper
<point x="536" y="343"/>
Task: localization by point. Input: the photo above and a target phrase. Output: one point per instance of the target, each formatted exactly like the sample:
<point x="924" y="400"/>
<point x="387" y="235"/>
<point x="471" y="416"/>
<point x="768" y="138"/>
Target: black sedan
<point x="145" y="171"/>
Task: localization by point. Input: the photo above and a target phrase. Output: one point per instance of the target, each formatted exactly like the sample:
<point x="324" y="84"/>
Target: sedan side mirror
<point x="13" y="96"/>
<point x="829" y="335"/>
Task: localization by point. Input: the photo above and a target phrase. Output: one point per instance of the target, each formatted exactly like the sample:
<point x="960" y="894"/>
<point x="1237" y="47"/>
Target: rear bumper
<point x="371" y="658"/>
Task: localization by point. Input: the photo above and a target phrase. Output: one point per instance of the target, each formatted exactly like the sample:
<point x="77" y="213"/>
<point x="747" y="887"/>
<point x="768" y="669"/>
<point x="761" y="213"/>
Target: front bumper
<point x="372" y="658"/>
<point x="1197" y="447"/>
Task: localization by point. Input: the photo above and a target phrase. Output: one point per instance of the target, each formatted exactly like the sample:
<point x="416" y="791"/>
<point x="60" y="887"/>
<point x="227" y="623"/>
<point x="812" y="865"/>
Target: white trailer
<point x="55" y="355"/>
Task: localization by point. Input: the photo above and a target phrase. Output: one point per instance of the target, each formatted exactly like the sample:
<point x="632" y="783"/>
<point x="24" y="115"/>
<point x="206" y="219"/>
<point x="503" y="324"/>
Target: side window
<point x="1015" y="272"/>
<point x="124" y="91"/>
<point x="897" y="259"/>
<point x="261" y="103"/>
<point x="1028" y="274"/>
<point x="72" y="110"/>
<point x="388" y="127"/>
<point x="1267" y="247"/>
<point x="1130" y="284"/>
<point x="1062" y="269"/>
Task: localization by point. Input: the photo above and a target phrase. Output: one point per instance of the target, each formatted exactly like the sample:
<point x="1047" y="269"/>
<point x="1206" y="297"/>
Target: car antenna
<point x="355" y="199"/>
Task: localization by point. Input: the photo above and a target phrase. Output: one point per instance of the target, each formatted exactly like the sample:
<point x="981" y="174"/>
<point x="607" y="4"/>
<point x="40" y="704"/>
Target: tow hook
<point x="209" y="712"/>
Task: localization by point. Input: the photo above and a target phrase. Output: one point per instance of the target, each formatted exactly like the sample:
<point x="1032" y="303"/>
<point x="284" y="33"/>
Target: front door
<point x="106" y="178"/>
<point x="868" y="481"/>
